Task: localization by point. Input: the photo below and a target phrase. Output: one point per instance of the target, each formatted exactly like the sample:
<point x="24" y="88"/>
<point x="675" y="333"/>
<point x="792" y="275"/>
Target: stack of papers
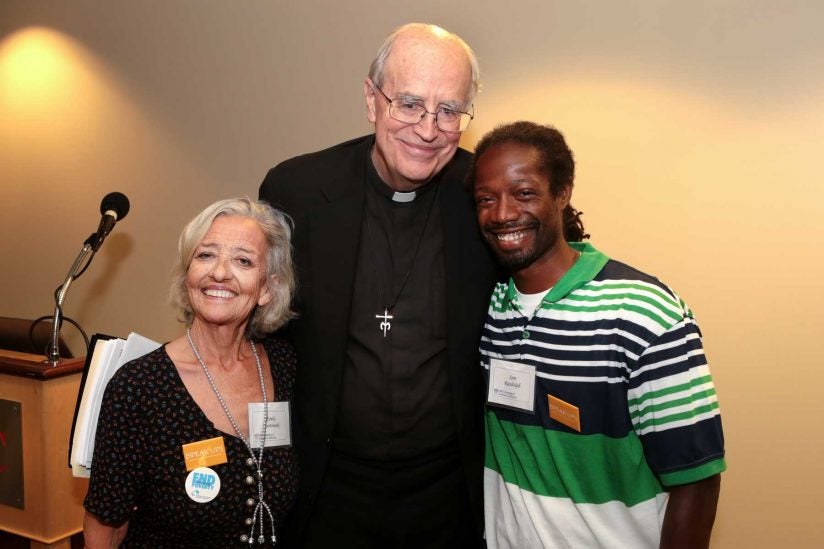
<point x="106" y="356"/>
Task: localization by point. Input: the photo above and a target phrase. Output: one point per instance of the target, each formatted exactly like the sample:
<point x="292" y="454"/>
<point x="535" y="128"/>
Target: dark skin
<point x="691" y="514"/>
<point x="522" y="221"/>
<point x="520" y="218"/>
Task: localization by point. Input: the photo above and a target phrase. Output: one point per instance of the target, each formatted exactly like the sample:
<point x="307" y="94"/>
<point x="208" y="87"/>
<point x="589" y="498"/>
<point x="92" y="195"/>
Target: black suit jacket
<point x="324" y="193"/>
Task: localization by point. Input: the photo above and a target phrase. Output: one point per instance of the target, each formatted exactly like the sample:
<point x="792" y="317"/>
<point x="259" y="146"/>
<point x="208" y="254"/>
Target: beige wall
<point x="697" y="128"/>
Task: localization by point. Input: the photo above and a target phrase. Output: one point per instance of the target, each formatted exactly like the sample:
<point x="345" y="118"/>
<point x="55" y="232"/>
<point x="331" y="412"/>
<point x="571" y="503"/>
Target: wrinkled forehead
<point x="235" y="231"/>
<point x="429" y="68"/>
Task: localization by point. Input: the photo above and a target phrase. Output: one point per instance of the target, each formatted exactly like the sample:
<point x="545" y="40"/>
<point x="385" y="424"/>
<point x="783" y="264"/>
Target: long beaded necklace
<point x="257" y="461"/>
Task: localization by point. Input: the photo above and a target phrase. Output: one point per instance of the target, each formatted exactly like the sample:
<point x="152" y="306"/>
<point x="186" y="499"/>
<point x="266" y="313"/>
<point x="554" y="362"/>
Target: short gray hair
<point x="378" y="67"/>
<point x="277" y="227"/>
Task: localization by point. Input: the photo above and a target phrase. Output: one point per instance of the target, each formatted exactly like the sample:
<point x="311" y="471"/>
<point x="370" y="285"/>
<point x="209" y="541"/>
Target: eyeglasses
<point x="410" y="111"/>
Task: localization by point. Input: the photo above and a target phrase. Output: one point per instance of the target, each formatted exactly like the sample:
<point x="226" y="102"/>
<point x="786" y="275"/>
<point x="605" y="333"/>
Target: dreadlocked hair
<point x="573" y="226"/>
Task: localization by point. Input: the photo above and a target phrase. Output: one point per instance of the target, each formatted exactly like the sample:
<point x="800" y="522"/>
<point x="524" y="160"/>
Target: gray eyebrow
<point x="451" y="105"/>
<point x="215" y="245"/>
<point x="410" y="98"/>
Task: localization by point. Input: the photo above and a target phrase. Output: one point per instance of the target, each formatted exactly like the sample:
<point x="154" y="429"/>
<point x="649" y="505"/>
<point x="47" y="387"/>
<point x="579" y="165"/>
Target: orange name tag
<point x="564" y="412"/>
<point x="204" y="453"/>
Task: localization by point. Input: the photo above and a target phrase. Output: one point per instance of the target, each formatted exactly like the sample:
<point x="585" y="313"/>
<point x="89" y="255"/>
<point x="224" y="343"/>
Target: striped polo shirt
<point x="624" y="353"/>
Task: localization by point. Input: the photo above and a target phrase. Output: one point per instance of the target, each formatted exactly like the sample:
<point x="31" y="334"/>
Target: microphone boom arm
<point x="114" y="207"/>
<point x="54" y="350"/>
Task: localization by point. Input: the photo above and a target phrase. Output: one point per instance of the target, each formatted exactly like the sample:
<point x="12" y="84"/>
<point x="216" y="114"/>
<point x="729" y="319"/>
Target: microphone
<point x="113" y="207"/>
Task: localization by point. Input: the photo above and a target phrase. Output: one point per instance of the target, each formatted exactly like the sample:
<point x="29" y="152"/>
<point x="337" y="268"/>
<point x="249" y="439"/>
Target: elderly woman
<point x="192" y="444"/>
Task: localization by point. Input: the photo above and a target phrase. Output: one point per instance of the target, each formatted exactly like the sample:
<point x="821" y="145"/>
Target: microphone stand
<point x="89" y="247"/>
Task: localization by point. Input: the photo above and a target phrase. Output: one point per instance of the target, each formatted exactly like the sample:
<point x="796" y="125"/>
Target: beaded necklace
<point x="256" y="460"/>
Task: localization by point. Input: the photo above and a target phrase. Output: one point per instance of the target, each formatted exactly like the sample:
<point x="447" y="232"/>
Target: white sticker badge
<point x="278" y="431"/>
<point x="511" y="385"/>
<point x="202" y="485"/>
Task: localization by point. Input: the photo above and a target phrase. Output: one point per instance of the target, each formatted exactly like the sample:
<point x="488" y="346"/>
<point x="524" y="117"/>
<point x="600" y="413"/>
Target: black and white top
<point x="138" y="471"/>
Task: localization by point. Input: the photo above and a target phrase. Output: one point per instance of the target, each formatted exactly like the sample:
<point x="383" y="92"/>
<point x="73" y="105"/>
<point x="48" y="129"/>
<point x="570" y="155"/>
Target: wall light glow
<point x="57" y="99"/>
<point x="32" y="66"/>
<point x="37" y="67"/>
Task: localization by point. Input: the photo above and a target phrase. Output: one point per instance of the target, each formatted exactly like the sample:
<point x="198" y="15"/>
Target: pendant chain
<point x="388" y="302"/>
<point x="257" y="461"/>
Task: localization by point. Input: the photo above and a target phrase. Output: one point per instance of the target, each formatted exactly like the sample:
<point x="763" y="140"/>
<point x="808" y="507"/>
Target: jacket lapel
<point x="334" y="242"/>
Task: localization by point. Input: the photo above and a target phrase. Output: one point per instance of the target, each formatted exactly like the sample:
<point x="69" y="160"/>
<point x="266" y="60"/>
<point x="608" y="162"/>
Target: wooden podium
<point x="51" y="508"/>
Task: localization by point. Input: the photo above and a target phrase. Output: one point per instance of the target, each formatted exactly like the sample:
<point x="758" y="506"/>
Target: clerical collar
<point x="404" y="197"/>
<point x="385" y="190"/>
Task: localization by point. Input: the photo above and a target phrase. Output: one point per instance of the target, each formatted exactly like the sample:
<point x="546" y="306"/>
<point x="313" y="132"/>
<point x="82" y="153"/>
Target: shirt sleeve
<point x="674" y="407"/>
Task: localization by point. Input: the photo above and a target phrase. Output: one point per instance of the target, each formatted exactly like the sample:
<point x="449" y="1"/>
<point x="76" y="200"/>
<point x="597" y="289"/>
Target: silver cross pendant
<point x="385" y="325"/>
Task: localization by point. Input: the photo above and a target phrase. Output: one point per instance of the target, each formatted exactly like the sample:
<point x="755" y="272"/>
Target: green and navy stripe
<point x="624" y="349"/>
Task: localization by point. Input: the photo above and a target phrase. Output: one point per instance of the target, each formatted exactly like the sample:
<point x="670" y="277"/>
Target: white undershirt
<point x="529" y="302"/>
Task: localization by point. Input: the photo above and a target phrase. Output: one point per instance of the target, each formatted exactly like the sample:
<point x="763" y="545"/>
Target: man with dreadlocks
<point x="603" y="428"/>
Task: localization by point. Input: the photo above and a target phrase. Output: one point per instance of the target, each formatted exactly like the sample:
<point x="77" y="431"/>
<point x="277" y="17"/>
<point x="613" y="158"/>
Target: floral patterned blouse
<point x="138" y="471"/>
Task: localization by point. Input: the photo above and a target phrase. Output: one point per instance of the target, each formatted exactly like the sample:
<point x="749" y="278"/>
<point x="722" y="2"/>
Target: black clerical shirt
<point x="395" y="395"/>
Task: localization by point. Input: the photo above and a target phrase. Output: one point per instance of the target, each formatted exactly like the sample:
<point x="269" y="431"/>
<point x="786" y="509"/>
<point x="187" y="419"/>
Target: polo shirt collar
<point x="587" y="267"/>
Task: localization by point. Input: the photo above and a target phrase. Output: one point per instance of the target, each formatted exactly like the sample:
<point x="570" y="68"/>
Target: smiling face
<point x="519" y="217"/>
<point x="226" y="278"/>
<point x="434" y="71"/>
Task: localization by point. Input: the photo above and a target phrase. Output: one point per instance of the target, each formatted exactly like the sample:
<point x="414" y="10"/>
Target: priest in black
<point x="393" y="287"/>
